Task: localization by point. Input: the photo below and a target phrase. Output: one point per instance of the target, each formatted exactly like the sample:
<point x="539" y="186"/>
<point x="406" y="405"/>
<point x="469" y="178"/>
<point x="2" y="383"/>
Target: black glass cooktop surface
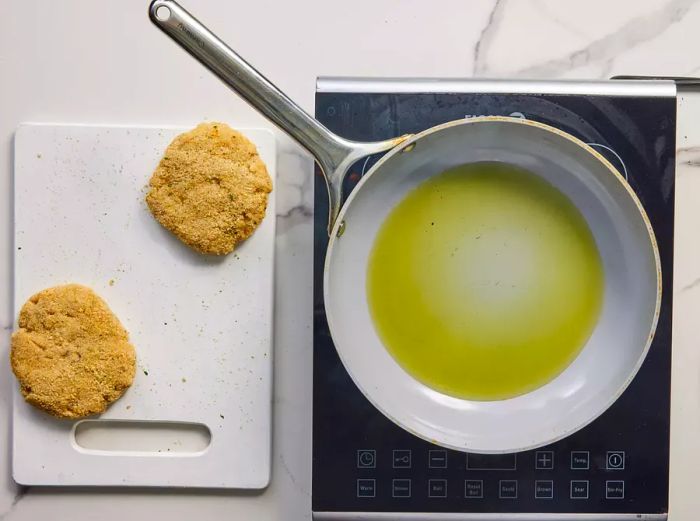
<point x="362" y="462"/>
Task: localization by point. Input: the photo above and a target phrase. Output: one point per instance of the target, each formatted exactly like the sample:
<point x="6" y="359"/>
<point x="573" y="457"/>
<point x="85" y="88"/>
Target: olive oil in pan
<point x="485" y="282"/>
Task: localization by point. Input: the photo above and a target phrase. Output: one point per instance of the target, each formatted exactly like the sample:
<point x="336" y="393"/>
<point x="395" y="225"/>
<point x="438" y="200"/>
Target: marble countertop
<point x="80" y="61"/>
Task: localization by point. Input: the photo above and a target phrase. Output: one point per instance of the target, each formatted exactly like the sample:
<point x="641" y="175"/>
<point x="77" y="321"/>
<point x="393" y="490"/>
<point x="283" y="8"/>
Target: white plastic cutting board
<point x="202" y="327"/>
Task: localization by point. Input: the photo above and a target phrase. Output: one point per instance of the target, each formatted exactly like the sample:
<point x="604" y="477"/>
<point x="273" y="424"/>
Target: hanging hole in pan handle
<point x="162" y="13"/>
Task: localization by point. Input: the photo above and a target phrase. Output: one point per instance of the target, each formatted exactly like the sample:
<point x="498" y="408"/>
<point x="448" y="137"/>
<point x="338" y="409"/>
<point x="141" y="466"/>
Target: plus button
<point x="544" y="460"/>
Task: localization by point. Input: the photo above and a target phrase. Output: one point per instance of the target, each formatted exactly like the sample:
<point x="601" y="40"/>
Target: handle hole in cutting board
<point x="142" y="436"/>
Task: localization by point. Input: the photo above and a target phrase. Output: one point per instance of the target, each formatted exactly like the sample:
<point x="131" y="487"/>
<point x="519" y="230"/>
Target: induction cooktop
<point x="365" y="466"/>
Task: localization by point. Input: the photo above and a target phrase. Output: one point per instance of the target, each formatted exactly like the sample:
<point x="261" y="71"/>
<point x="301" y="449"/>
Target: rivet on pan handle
<point x="333" y="153"/>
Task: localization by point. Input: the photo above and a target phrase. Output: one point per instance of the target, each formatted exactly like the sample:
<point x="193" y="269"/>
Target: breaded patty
<point x="210" y="188"/>
<point x="71" y="354"/>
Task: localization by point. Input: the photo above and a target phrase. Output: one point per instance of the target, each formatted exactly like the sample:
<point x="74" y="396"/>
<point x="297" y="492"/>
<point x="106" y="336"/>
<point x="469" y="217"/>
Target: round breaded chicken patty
<point x="210" y="188"/>
<point x="71" y="354"/>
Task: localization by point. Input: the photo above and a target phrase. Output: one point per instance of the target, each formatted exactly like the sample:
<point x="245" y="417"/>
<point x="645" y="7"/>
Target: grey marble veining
<point x="487" y="35"/>
<point x="295" y="177"/>
<point x="607" y="48"/>
<point x="20" y="494"/>
<point x="689" y="156"/>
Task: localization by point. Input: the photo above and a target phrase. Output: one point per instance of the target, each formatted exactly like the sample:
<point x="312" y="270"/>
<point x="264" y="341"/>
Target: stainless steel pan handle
<point x="333" y="153"/>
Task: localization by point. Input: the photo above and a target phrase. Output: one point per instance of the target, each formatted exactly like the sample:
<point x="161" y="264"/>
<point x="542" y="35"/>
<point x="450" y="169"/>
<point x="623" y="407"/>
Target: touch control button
<point x="366" y="459"/>
<point x="366" y="488"/>
<point x="580" y="460"/>
<point x="615" y="460"/>
<point x="473" y="489"/>
<point x="544" y="460"/>
<point x="508" y="489"/>
<point x="401" y="488"/>
<point x="437" y="459"/>
<point x="544" y="489"/>
<point x="402" y="459"/>
<point x="615" y="489"/>
<point x="437" y="488"/>
<point x="579" y="490"/>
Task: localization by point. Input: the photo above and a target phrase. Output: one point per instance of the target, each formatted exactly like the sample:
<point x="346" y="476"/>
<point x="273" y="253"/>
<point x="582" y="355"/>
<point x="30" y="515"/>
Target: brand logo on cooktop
<point x="512" y="115"/>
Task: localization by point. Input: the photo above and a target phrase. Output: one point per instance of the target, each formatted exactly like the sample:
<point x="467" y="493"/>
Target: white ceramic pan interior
<point x="617" y="346"/>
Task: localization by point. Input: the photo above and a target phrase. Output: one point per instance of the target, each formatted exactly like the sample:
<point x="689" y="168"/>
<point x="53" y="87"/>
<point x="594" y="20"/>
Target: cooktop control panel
<point x="364" y="463"/>
<point x="542" y="475"/>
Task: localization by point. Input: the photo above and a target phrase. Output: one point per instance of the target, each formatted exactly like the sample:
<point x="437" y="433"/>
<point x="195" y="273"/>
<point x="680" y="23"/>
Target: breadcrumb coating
<point x="210" y="188"/>
<point x="71" y="354"/>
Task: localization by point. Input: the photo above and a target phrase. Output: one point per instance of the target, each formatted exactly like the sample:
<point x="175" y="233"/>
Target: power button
<point x="615" y="460"/>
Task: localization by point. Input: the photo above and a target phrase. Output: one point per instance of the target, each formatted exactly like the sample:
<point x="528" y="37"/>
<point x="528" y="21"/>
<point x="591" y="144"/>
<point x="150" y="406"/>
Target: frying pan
<point x="622" y="232"/>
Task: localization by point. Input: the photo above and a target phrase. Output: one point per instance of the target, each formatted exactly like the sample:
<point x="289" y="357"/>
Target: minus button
<point x="437" y="459"/>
